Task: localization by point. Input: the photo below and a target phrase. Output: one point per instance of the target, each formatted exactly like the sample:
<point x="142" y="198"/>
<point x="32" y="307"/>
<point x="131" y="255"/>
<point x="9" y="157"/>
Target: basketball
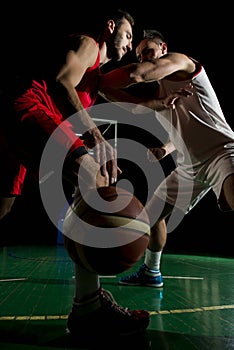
<point x="107" y="230"/>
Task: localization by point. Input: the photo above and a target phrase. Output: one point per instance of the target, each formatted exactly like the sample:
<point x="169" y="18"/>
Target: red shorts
<point x="36" y="117"/>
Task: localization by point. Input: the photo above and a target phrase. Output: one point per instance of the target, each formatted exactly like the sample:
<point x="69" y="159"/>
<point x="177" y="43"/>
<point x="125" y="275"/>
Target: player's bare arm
<point x="71" y="74"/>
<point x="173" y="65"/>
<point x="157" y="153"/>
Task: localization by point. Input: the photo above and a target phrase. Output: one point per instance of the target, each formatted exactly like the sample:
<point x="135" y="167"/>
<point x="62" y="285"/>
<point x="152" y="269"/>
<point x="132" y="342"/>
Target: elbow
<point x="140" y="109"/>
<point x="136" y="78"/>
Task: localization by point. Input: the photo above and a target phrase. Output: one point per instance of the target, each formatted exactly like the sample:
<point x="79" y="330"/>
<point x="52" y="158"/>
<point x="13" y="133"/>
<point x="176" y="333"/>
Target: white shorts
<point x="184" y="191"/>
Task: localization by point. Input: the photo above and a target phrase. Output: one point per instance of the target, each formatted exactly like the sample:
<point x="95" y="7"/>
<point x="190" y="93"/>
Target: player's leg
<point x="149" y="272"/>
<point x="6" y="203"/>
<point x="94" y="309"/>
<point x="226" y="199"/>
<point x="176" y="195"/>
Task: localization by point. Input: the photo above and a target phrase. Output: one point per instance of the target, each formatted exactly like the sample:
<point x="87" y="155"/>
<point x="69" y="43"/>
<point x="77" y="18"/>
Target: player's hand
<point x="104" y="153"/>
<point x="155" y="154"/>
<point x="170" y="101"/>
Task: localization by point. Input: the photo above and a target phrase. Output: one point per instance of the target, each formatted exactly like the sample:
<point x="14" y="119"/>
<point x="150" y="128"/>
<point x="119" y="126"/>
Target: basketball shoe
<point x="143" y="277"/>
<point x="101" y="315"/>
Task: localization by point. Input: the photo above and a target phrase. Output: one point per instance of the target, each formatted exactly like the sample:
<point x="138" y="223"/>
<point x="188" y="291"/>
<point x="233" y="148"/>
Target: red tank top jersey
<point x="37" y="107"/>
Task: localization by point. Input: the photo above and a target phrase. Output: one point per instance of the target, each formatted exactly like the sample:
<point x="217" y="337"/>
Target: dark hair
<point x="117" y="16"/>
<point x="153" y="34"/>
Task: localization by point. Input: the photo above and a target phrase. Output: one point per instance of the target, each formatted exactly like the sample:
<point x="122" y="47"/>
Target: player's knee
<point x="226" y="199"/>
<point x="6" y="206"/>
<point x="4" y="212"/>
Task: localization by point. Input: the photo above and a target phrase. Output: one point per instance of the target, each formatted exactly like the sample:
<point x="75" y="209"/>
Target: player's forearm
<point x="89" y="173"/>
<point x="168" y="147"/>
<point x="133" y="104"/>
<point x="70" y="105"/>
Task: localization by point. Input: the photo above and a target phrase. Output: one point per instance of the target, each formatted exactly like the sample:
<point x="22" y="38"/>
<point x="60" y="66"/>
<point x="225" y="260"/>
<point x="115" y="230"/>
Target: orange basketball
<point x="110" y="228"/>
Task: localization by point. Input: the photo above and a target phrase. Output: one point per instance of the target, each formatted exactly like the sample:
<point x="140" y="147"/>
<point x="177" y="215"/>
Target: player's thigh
<point x="226" y="199"/>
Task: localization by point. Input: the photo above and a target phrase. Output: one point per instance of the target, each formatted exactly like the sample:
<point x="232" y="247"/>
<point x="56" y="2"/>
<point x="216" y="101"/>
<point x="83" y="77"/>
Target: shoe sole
<point x="141" y="330"/>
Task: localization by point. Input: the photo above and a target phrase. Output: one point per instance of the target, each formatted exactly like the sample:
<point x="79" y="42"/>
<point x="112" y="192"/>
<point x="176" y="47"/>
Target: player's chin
<point x="120" y="53"/>
<point x="119" y="57"/>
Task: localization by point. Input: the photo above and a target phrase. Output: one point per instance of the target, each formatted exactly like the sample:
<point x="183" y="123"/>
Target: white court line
<point x="103" y="276"/>
<point x="13" y="279"/>
<point x="185" y="277"/>
<point x="176" y="277"/>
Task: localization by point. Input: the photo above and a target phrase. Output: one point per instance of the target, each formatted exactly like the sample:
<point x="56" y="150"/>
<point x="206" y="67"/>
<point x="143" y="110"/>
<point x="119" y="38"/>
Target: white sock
<point x="153" y="259"/>
<point x="86" y="283"/>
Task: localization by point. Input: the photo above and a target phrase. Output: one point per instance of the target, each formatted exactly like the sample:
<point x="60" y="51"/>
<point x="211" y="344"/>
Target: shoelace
<point x="110" y="302"/>
<point x="108" y="294"/>
<point x="137" y="273"/>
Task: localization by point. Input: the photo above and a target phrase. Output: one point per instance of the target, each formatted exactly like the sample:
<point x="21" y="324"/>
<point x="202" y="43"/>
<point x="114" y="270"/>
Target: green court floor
<point x="194" y="309"/>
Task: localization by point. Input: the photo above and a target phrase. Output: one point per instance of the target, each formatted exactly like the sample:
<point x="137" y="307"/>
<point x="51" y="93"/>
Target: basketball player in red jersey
<point x="197" y="130"/>
<point x="37" y="109"/>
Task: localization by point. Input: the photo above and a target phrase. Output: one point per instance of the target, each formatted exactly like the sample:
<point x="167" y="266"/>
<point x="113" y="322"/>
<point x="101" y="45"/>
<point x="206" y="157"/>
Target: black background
<point x="197" y="29"/>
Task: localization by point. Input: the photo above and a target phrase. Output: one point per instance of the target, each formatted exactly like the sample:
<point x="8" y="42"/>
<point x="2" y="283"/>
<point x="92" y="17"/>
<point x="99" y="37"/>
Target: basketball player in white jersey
<point x="197" y="130"/>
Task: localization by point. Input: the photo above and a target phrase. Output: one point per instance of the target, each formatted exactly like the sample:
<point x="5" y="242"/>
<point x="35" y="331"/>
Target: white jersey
<point x="197" y="126"/>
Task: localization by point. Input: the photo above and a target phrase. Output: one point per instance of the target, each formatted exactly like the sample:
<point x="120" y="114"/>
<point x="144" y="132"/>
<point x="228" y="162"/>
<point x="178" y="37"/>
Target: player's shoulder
<point x="176" y="56"/>
<point x="83" y="39"/>
<point x="182" y="61"/>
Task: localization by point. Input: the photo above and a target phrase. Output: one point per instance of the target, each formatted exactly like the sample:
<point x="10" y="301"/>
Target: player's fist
<point x="155" y="154"/>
